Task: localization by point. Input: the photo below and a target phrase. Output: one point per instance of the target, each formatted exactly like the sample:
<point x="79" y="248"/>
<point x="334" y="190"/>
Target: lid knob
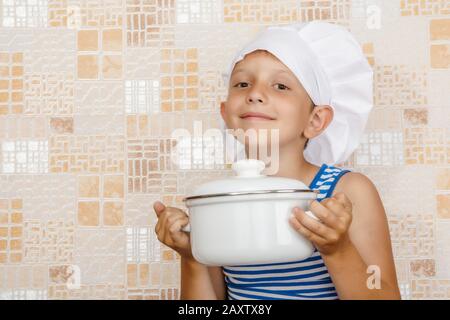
<point x="248" y="168"/>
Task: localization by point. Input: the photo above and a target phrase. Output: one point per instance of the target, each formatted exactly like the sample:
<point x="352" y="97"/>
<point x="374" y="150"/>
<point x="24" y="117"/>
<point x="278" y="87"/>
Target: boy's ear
<point x="222" y="109"/>
<point x="320" y="118"/>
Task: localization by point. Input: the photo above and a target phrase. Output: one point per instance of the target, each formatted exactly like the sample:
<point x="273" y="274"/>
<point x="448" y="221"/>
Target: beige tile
<point x="15" y="257"/>
<point x="416" y="117"/>
<point x="113" y="186"/>
<point x="59" y="274"/>
<point x="4" y="57"/>
<point x="89" y="186"/>
<point x="144" y="274"/>
<point x="440" y="29"/>
<point x="4" y="218"/>
<point x="88" y="213"/>
<point x="423" y="268"/>
<point x="16" y="204"/>
<point x="87" y="67"/>
<point x="112" y="40"/>
<point x="443" y="179"/>
<point x="440" y="56"/>
<point x="87" y="40"/>
<point x="131" y="275"/>
<point x="112" y="67"/>
<point x="61" y="125"/>
<point x="443" y="206"/>
<point x="4" y="71"/>
<point x="113" y="213"/>
<point x="15" y="245"/>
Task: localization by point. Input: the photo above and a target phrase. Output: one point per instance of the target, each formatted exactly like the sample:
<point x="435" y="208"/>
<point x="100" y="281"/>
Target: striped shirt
<point x="297" y="280"/>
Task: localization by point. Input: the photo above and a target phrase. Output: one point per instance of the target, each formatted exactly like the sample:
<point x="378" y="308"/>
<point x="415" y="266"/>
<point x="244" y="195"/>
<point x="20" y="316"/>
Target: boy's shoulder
<point x="355" y="185"/>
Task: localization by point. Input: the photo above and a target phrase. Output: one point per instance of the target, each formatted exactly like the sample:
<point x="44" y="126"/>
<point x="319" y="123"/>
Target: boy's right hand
<point x="168" y="228"/>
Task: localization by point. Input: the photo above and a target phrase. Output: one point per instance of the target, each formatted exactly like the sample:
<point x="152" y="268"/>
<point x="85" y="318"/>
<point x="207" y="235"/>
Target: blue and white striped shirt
<point x="297" y="280"/>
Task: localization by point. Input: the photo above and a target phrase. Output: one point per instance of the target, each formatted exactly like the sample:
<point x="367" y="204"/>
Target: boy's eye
<point x="237" y="85"/>
<point x="283" y="87"/>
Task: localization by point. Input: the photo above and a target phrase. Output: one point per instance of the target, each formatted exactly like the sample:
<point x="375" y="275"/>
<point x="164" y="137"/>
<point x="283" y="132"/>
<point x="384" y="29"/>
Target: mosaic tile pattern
<point x="91" y="91"/>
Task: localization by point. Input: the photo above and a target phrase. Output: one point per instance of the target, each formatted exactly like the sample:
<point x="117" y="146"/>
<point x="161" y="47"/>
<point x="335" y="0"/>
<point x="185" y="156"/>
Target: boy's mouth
<point x="256" y="116"/>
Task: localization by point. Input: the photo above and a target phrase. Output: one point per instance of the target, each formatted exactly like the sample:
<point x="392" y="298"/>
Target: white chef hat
<point x="332" y="68"/>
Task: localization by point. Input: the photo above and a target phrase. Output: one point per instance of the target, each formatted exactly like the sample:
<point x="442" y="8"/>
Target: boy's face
<point x="261" y="83"/>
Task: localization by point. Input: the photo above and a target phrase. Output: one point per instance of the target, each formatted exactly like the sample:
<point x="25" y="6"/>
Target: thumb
<point x="158" y="206"/>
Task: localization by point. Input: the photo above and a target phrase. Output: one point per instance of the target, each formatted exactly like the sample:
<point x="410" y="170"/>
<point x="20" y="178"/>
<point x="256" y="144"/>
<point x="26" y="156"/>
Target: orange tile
<point x="88" y="213"/>
<point x="3" y="232"/>
<point x="17" y="71"/>
<point x="16" y="217"/>
<point x="4" y="84"/>
<point x="16" y="232"/>
<point x="192" y="67"/>
<point x="17" y="57"/>
<point x="443" y="205"/>
<point x="87" y="40"/>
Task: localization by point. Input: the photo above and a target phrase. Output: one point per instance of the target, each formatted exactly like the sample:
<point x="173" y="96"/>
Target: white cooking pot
<point x="245" y="219"/>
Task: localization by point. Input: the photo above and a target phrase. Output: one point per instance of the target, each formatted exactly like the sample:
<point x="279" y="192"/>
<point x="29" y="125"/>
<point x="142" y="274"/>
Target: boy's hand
<point x="330" y="234"/>
<point x="168" y="228"/>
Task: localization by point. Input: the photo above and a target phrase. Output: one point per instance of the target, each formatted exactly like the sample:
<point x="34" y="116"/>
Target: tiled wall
<point x="90" y="92"/>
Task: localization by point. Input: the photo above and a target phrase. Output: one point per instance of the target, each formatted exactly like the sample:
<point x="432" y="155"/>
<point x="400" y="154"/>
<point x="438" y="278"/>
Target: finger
<point x="326" y="217"/>
<point x="167" y="218"/>
<point x="159" y="207"/>
<point x="308" y="234"/>
<point x="343" y="199"/>
<point x="177" y="235"/>
<point x="157" y="227"/>
<point x="332" y="205"/>
<point x="312" y="224"/>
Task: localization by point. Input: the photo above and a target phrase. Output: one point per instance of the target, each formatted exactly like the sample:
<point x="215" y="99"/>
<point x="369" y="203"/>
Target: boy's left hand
<point x="330" y="234"/>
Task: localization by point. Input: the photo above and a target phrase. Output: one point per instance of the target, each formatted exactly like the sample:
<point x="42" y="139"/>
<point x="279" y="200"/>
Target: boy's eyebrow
<point x="277" y="71"/>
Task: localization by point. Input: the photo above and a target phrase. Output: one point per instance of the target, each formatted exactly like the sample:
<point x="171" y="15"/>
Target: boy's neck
<point x="293" y="165"/>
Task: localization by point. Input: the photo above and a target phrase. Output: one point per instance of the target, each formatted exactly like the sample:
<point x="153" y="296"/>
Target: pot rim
<point x="248" y="193"/>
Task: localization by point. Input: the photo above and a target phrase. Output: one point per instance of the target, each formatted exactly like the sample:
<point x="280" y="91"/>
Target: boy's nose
<point x="251" y="100"/>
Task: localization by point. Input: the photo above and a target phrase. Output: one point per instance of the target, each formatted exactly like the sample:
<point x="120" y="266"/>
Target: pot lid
<point x="248" y="178"/>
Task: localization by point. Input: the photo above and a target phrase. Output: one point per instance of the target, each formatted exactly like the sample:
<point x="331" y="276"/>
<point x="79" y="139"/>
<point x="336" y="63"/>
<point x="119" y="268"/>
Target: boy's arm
<point x="199" y="282"/>
<point x="370" y="243"/>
